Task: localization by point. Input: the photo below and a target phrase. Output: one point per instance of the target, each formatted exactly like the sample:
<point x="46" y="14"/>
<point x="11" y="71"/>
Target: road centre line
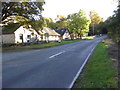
<point x="81" y="68"/>
<point x="56" y="54"/>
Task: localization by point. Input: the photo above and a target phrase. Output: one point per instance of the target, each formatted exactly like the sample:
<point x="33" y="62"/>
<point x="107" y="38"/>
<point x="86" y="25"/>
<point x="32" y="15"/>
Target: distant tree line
<point x="112" y="25"/>
<point x="76" y="23"/>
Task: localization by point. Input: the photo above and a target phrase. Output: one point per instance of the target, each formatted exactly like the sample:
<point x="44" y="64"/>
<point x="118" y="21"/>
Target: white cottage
<point x="14" y="33"/>
<point x="64" y="34"/>
<point x="49" y="34"/>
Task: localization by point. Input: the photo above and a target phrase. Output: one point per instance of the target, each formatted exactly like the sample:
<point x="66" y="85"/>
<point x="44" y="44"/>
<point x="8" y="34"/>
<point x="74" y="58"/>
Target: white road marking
<point x="56" y="54"/>
<point x="81" y="68"/>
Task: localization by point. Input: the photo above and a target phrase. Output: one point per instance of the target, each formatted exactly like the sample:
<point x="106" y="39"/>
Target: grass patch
<point x="99" y="72"/>
<point x="51" y="44"/>
<point x="38" y="46"/>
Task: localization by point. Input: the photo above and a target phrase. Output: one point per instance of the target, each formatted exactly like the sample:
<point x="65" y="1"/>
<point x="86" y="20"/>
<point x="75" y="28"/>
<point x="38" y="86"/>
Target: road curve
<point x="55" y="67"/>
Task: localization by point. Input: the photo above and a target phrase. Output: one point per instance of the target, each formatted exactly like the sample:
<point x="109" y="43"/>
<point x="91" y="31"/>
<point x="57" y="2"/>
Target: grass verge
<point x="38" y="46"/>
<point x="51" y="44"/>
<point x="99" y="71"/>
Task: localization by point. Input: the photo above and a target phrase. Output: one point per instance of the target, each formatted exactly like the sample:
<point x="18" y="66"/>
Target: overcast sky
<point x="104" y="8"/>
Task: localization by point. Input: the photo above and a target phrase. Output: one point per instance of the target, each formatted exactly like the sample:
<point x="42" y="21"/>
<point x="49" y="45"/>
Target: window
<point x="28" y="41"/>
<point x="32" y="34"/>
<point x="28" y="36"/>
<point x="41" y="36"/>
<point x="21" y="36"/>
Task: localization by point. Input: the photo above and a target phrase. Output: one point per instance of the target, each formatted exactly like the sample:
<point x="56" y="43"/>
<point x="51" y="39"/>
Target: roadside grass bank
<point x="99" y="72"/>
<point x="51" y="44"/>
<point x="37" y="46"/>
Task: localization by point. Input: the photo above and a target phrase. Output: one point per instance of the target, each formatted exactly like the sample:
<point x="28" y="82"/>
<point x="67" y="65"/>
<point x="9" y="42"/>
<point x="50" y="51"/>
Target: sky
<point x="104" y="8"/>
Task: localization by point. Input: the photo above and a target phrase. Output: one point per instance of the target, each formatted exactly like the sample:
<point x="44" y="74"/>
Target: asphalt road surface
<point x="55" y="67"/>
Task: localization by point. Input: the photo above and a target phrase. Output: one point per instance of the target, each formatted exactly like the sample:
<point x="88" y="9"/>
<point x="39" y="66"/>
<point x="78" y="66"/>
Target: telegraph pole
<point x="93" y="29"/>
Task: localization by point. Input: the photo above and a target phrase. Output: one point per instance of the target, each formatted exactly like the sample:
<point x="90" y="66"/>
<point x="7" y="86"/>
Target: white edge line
<point x="56" y="54"/>
<point x="78" y="73"/>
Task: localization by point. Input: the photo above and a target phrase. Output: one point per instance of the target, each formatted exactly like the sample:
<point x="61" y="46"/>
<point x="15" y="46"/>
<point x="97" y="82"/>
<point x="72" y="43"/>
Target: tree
<point x="101" y="28"/>
<point x="26" y="9"/>
<point x="60" y="18"/>
<point x="62" y="22"/>
<point x="37" y="25"/>
<point x="112" y="25"/>
<point x="79" y="23"/>
<point x="95" y="19"/>
<point x="48" y="22"/>
<point x="27" y="13"/>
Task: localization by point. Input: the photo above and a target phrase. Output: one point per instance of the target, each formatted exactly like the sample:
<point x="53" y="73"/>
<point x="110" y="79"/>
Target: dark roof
<point x="61" y="31"/>
<point x="9" y="29"/>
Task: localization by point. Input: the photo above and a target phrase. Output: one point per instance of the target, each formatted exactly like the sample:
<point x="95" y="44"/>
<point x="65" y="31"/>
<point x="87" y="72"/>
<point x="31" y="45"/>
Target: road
<point x="56" y="67"/>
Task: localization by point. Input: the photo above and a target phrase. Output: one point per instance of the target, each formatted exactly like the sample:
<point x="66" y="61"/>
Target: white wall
<point x="53" y="38"/>
<point x="66" y="35"/>
<point x="85" y="34"/>
<point x="25" y="32"/>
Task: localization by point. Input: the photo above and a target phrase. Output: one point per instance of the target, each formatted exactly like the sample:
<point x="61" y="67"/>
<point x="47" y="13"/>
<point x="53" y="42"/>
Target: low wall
<point x="7" y="38"/>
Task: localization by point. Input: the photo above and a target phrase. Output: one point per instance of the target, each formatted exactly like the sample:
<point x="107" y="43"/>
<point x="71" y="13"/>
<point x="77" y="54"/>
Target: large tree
<point x="62" y="22"/>
<point x="48" y="22"/>
<point x="95" y="20"/>
<point x="29" y="10"/>
<point x="25" y="12"/>
<point x="79" y="23"/>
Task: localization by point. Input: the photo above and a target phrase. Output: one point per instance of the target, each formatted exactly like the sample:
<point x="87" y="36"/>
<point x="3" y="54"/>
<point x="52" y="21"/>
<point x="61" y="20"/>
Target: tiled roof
<point x="50" y="31"/>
